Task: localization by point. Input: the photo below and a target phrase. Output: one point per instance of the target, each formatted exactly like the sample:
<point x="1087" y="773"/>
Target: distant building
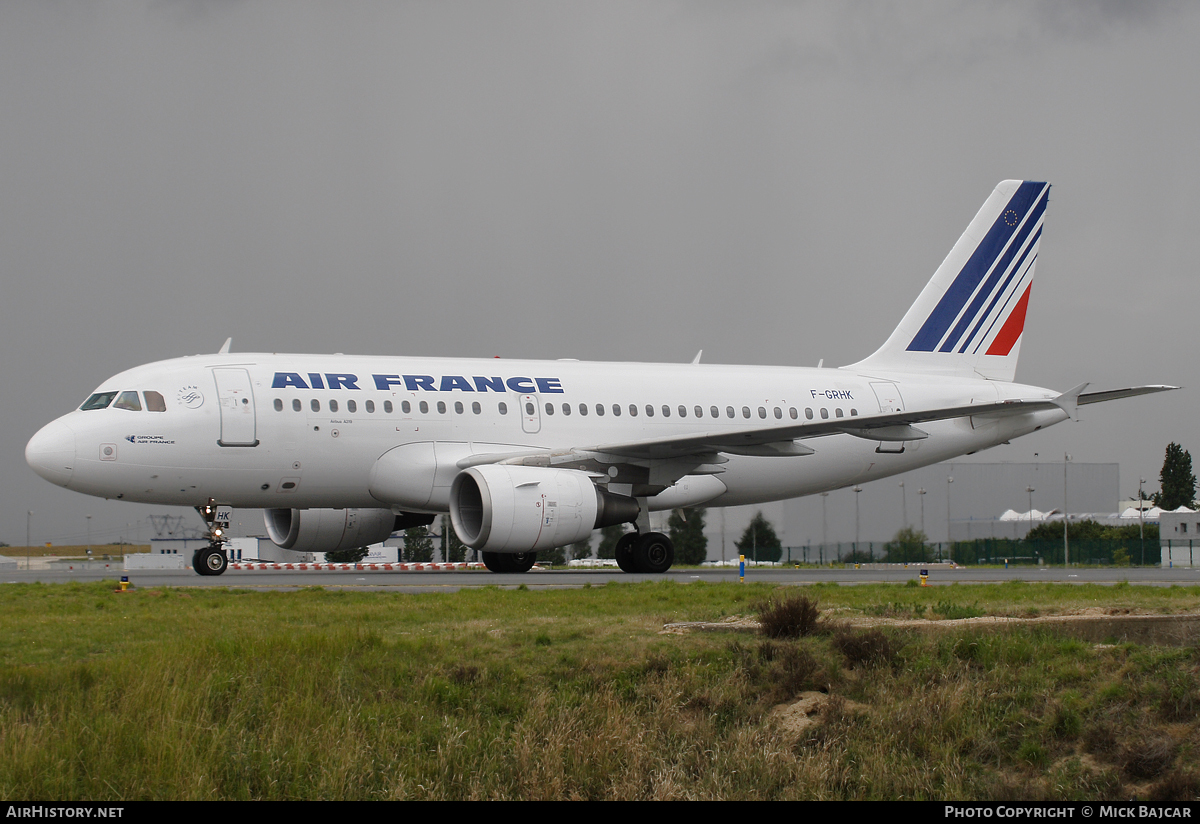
<point x="1179" y="537"/>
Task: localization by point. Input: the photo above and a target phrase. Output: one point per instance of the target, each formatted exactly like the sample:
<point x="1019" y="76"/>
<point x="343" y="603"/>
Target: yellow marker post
<point x="741" y="568"/>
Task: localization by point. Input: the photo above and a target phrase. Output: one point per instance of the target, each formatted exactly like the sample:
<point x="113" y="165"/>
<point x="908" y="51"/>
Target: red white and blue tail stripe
<point x="969" y="318"/>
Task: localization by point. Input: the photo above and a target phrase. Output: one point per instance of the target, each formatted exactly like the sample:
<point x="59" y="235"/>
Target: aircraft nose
<point x="51" y="452"/>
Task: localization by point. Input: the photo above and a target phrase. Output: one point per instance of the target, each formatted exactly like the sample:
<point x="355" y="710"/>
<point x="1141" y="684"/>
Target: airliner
<point x="341" y="451"/>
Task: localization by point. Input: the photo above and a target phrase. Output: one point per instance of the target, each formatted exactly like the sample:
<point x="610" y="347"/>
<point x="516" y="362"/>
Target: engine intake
<point x="500" y="508"/>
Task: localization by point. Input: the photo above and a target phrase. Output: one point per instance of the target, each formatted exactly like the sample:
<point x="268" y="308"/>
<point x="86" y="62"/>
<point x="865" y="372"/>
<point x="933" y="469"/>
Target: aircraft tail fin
<point x="968" y="320"/>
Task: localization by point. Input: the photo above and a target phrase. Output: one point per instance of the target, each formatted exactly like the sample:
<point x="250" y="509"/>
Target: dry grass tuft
<point x="870" y="647"/>
<point x="790" y="617"/>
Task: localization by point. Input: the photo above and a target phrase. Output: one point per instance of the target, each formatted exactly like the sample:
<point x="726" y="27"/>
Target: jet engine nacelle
<point x="328" y="530"/>
<point x="498" y="508"/>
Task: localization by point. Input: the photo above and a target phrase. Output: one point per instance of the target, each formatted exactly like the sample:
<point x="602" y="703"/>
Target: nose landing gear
<point x="212" y="560"/>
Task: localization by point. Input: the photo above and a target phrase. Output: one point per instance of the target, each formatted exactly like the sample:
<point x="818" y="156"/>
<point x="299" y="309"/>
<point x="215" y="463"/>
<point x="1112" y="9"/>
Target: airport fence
<point x="983" y="551"/>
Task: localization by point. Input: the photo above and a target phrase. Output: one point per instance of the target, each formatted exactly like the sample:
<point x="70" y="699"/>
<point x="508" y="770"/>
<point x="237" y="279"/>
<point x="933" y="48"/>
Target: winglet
<point x="1069" y="401"/>
<point x="224" y="350"/>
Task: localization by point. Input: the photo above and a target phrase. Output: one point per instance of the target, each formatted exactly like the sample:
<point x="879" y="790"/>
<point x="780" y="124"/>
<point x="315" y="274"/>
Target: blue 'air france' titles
<point x="416" y="383"/>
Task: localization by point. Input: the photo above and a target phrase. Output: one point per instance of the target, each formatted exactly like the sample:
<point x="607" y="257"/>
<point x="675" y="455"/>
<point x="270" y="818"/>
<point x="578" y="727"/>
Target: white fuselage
<point x="262" y="430"/>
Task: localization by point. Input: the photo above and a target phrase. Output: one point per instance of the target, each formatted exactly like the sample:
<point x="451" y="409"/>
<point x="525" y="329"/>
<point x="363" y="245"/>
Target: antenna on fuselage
<point x="697" y="358"/>
<point x="224" y="350"/>
<point x="820" y="363"/>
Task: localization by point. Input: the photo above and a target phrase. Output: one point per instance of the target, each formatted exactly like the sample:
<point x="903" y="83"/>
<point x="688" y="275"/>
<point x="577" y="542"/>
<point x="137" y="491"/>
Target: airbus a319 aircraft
<point x="341" y="451"/>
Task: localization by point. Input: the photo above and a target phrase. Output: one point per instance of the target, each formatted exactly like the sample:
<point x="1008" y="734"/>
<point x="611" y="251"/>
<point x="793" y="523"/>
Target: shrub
<point x="789" y="617"/>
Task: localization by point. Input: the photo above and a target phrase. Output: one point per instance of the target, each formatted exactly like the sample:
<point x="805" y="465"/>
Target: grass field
<point x="203" y="693"/>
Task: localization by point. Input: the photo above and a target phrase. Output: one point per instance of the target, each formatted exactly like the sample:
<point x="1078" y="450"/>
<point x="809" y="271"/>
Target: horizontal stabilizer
<point x="1114" y="394"/>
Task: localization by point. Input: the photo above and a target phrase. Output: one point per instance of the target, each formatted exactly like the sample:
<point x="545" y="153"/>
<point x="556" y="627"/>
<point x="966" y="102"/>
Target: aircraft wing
<point x="702" y="452"/>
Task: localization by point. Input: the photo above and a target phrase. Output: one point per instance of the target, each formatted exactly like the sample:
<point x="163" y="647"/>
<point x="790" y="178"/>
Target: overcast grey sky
<point x="771" y="182"/>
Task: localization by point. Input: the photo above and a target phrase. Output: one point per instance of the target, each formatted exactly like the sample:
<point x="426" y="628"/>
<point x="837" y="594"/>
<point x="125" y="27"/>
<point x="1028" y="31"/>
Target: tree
<point x="1176" y="479"/>
<point x="609" y="536"/>
<point x="581" y="549"/>
<point x="418" y="545"/>
<point x="346" y="556"/>
<point x="908" y="546"/>
<point x="686" y="528"/>
<point x="759" y="542"/>
<point x="453" y="550"/>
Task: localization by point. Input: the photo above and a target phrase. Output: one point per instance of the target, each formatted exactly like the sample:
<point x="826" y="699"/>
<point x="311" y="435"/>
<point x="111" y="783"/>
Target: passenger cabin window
<point x="824" y="414"/>
<point x="295" y="404"/>
<point x="424" y="408"/>
<point x="729" y="413"/>
<point x="600" y="409"/>
<point x="476" y="408"/>
<point x="370" y="406"/>
<point x="714" y="412"/>
<point x="633" y="410"/>
<point x="278" y="405"/>
<point x="583" y="409"/>
<point x="155" y="402"/>
<point x="128" y="400"/>
<point x="566" y="409"/>
<point x="387" y="407"/>
<point x="778" y="413"/>
<point x="616" y="409"/>
<point x="838" y="412"/>
<point x="405" y="407"/>
<point x="808" y="413"/>
<point x="503" y="407"/>
<point x="351" y="406"/>
<point x="100" y="400"/>
<point x="549" y="408"/>
<point x="762" y="413"/>
<point x="649" y="411"/>
<point x="529" y="408"/>
<point x="333" y="406"/>
<point x="315" y="405"/>
<point x="745" y="411"/>
<point x="441" y="407"/>
<point x="792" y="412"/>
<point x="458" y="407"/>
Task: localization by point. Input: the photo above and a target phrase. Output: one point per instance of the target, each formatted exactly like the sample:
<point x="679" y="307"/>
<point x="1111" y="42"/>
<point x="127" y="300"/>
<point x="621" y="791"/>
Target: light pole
<point x="1141" y="520"/>
<point x="904" y="505"/>
<point x="857" y="489"/>
<point x="949" y="480"/>
<point x="824" y="531"/>
<point x="89" y="527"/>
<point x="29" y="519"/>
<point x="1030" y="490"/>
<point x="1066" y="514"/>
<point x="921" y="492"/>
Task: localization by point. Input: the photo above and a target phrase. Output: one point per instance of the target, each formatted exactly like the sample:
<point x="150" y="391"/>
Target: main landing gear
<point x="652" y="552"/>
<point x="509" y="561"/>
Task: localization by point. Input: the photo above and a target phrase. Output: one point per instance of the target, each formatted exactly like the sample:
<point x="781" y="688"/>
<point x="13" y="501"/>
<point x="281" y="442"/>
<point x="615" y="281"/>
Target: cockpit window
<point x="155" y="402"/>
<point x="98" y="401"/>
<point x="128" y="400"/>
